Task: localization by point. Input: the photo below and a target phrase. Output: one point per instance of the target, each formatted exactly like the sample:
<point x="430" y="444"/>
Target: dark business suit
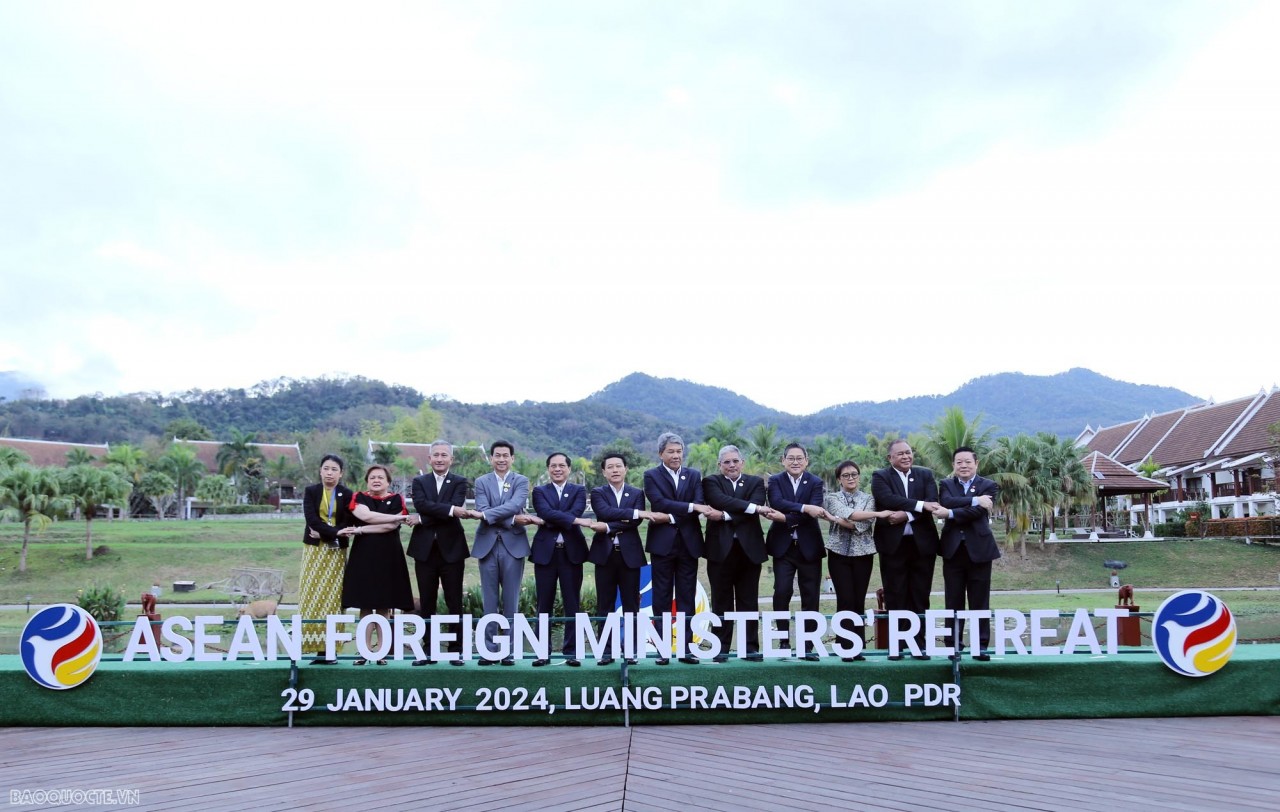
<point x="311" y="497"/>
<point x="735" y="552"/>
<point x="618" y="554"/>
<point x="968" y="548"/>
<point x="557" y="552"/>
<point x="438" y="545"/>
<point x="674" y="548"/>
<point x="906" y="560"/>
<point x="795" y="543"/>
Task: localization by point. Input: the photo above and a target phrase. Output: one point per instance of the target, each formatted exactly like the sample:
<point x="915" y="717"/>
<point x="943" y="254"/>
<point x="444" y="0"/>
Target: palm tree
<point x="216" y="489"/>
<point x="385" y="453"/>
<point x="704" y="456"/>
<point x="281" y="470"/>
<point x="79" y="456"/>
<point x="32" y="496"/>
<point x="159" y="488"/>
<point x="235" y="454"/>
<point x="89" y="489"/>
<point x="722" y="431"/>
<point x="949" y="432"/>
<point x="1015" y="467"/>
<point x="184" y="468"/>
<point x="11" y="457"/>
<point x="130" y="463"/>
<point x="764" y="448"/>
<point x="826" y="452"/>
<point x="1068" y="482"/>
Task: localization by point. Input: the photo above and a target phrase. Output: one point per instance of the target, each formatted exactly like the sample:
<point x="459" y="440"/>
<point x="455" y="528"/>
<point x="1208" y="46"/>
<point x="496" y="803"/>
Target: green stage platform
<point x="1132" y="683"/>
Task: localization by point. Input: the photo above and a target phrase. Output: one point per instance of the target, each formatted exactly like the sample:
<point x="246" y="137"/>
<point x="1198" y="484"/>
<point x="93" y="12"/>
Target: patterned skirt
<point x="320" y="593"/>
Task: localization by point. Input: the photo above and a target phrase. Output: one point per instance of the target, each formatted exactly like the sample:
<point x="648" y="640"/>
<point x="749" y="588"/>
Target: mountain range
<point x="637" y="407"/>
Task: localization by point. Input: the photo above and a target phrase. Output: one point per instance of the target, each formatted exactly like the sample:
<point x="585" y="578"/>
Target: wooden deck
<point x="1130" y="764"/>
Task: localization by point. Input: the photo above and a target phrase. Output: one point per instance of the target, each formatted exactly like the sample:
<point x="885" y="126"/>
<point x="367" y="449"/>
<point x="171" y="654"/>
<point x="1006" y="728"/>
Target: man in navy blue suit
<point x="559" y="548"/>
<point x="968" y="545"/>
<point x="616" y="550"/>
<point x="907" y="542"/>
<point x="795" y="542"/>
<point x="676" y="544"/>
<point x="438" y="545"/>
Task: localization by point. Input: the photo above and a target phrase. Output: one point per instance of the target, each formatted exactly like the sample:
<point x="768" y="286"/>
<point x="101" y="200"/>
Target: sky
<point x="806" y="203"/>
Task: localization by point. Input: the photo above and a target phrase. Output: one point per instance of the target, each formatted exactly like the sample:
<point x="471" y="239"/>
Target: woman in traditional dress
<point x="377" y="578"/>
<point x="324" y="507"/>
<point x="851" y="550"/>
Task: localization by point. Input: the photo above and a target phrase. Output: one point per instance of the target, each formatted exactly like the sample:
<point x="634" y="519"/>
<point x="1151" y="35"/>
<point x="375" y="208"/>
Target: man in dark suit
<point x="616" y="550"/>
<point x="735" y="547"/>
<point x="908" y="540"/>
<point x="559" y="548"/>
<point x="438" y="545"/>
<point x="675" y="545"/>
<point x="795" y="540"/>
<point x="968" y="545"/>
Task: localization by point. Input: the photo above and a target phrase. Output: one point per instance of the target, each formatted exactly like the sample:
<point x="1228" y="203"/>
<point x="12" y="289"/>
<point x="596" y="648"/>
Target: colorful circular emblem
<point x="1194" y="633"/>
<point x="60" y="646"/>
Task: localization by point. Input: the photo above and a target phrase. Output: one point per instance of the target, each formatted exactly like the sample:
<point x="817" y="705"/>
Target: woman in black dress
<point x="377" y="578"/>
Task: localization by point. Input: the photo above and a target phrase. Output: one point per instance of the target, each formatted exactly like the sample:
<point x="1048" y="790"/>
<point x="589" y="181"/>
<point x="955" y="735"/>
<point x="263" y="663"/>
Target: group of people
<point x="687" y="516"/>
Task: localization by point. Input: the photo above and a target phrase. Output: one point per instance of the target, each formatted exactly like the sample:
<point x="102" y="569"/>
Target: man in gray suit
<point x="501" y="544"/>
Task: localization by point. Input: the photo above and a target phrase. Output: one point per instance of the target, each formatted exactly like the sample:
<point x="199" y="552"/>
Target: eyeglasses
<point x="795" y="459"/>
<point x="847" y="475"/>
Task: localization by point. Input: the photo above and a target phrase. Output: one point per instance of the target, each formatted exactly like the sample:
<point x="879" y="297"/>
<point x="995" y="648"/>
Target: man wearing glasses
<point x="735" y="548"/>
<point x="795" y="540"/>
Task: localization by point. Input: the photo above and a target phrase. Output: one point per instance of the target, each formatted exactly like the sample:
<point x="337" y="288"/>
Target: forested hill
<point x="1012" y="402"/>
<point x="637" y="407"/>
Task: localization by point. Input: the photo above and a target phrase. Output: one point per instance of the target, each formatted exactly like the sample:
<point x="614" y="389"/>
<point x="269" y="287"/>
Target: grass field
<point x="138" y="554"/>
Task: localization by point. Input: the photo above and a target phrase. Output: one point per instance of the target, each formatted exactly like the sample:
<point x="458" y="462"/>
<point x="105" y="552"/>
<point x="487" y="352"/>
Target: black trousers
<point x="809" y="574"/>
<point x="735" y="587"/>
<point x="676" y="574"/>
<point x="851" y="577"/>
<point x="963" y="578"/>
<point x="614" y="578"/>
<point x="434" y="575"/>
<point x="907" y="575"/>
<point x="569" y="576"/>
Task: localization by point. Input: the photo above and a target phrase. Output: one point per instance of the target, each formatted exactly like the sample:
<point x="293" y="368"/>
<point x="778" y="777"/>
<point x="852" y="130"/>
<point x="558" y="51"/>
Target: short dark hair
<point x="555" y="454"/>
<point x="847" y="464"/>
<point x="964" y="448"/>
<point x="332" y="458"/>
<point x="795" y="445"/>
<point x="503" y="444"/>
<point x="377" y="466"/>
<point x="611" y="454"/>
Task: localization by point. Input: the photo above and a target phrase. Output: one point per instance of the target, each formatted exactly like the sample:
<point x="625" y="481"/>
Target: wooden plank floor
<point x="1103" y="764"/>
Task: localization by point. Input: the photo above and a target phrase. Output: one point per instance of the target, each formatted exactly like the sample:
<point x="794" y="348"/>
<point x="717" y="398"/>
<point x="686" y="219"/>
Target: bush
<point x="105" y="603"/>
<point x="1170" y="530"/>
<point x="239" y="510"/>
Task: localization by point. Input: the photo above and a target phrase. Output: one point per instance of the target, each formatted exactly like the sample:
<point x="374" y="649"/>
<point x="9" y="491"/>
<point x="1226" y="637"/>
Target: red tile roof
<point x="1137" y="449"/>
<point x="207" y="452"/>
<point x="44" y="453"/>
<point x="1112" y="477"/>
<point x="1108" y="440"/>
<point x="1199" y="431"/>
<point x="1253" y="436"/>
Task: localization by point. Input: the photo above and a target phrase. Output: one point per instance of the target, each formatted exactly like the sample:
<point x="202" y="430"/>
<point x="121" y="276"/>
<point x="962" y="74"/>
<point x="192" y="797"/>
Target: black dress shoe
<point x="859" y="659"/>
<point x="323" y="661"/>
<point x="508" y="660"/>
<point x="921" y="657"/>
<point x="605" y="661"/>
<point x="720" y="658"/>
<point x="664" y="661"/>
<point x="755" y="657"/>
<point x="427" y="661"/>
<point x="846" y="659"/>
<point x="571" y="662"/>
<point x="955" y="658"/>
<point x="488" y="662"/>
<point x="982" y="657"/>
<point x="539" y="662"/>
<point x="630" y="661"/>
<point x="893" y="658"/>
<point x="457" y="662"/>
<point x="813" y="657"/>
<point x="690" y="661"/>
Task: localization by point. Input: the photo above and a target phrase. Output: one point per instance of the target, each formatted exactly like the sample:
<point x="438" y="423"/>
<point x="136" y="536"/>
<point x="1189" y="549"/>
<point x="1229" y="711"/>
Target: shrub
<point x="1170" y="530"/>
<point x="105" y="603"/>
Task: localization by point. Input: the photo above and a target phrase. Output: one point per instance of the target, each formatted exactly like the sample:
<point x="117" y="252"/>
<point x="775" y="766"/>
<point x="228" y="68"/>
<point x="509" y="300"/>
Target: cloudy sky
<point x="808" y="203"/>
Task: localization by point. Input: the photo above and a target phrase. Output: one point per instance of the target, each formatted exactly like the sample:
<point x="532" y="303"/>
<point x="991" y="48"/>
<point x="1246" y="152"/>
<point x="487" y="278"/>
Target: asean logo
<point x="60" y="646"/>
<point x="1194" y="633"/>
